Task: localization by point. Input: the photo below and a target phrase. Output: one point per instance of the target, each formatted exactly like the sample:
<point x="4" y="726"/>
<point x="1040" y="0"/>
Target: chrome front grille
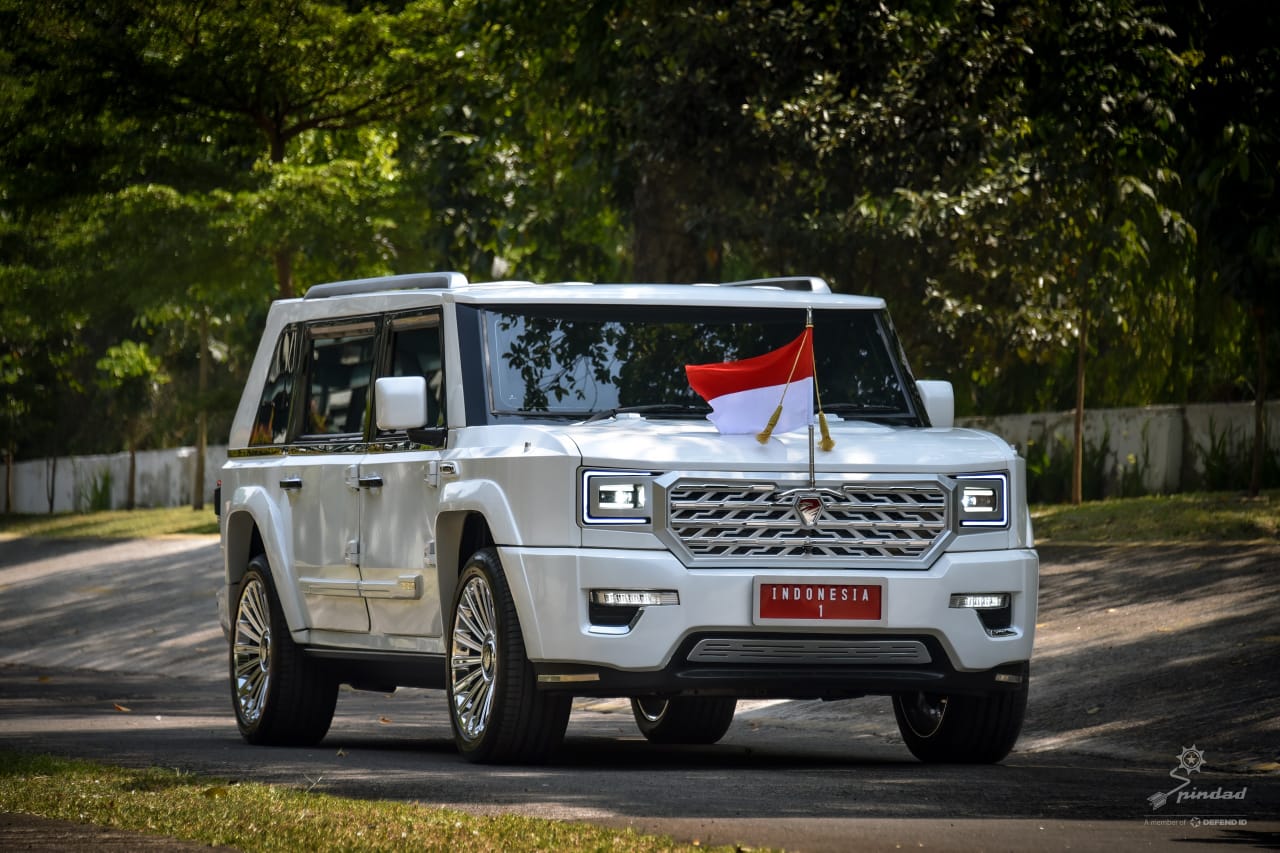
<point x="724" y="522"/>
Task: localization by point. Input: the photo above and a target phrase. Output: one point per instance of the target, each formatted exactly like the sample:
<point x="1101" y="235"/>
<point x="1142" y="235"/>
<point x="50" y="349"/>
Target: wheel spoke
<point x="471" y="658"/>
<point x="249" y="650"/>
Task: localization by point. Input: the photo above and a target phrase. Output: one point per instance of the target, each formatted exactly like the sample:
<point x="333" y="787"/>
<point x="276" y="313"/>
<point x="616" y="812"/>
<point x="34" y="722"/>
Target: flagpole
<point x="813" y="480"/>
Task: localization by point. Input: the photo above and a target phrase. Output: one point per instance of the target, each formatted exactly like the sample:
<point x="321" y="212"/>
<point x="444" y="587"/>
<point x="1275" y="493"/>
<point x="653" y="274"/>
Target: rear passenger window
<point x="271" y="425"/>
<point x="339" y="373"/>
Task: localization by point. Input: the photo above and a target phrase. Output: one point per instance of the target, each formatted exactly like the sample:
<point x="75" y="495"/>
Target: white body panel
<point x="365" y="554"/>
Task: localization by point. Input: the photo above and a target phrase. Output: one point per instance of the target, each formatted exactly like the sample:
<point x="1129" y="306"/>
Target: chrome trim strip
<point x="403" y="588"/>
<point x="847" y="652"/>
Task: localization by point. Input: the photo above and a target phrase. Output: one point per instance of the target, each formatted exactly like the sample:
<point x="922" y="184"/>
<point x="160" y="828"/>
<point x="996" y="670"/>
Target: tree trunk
<point x="666" y="248"/>
<point x="202" y="418"/>
<point x="1259" y="404"/>
<point x="284" y="272"/>
<point x="1077" y="451"/>
<point x="50" y="479"/>
<point x="8" y="479"/>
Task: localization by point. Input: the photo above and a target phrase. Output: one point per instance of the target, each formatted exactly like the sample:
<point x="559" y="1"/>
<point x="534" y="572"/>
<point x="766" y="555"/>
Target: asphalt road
<point x="112" y="652"/>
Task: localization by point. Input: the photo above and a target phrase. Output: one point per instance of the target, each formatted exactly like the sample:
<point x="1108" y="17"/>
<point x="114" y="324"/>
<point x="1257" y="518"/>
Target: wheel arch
<point x="459" y="534"/>
<point x="253" y="527"/>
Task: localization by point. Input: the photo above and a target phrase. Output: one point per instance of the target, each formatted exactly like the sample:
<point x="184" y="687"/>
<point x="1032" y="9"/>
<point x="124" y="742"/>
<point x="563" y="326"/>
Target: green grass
<point x="253" y="816"/>
<point x="114" y="524"/>
<point x="1186" y="518"/>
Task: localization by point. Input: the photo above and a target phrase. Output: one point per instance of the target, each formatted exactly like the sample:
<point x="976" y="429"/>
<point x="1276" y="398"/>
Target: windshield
<point x="573" y="361"/>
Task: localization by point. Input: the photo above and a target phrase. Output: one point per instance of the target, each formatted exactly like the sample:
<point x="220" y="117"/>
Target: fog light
<point x="634" y="597"/>
<point x="980" y="601"/>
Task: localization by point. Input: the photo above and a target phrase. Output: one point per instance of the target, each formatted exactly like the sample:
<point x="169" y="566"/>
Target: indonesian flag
<point x="744" y="395"/>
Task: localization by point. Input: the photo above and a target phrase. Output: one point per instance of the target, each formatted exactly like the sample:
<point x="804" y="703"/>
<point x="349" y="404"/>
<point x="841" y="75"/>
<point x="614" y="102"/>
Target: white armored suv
<point x="513" y="492"/>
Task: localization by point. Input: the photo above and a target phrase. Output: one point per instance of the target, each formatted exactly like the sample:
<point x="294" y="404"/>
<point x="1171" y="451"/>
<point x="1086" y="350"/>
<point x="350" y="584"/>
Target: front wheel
<point x="496" y="711"/>
<point x="684" y="719"/>
<point x="281" y="698"/>
<point x="962" y="729"/>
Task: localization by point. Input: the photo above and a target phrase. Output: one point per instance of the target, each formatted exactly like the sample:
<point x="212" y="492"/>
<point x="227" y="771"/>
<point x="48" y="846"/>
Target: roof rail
<point x="413" y="281"/>
<point x="812" y="284"/>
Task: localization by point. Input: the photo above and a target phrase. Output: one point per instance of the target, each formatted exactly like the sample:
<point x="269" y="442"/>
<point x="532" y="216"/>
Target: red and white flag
<point x="744" y="395"/>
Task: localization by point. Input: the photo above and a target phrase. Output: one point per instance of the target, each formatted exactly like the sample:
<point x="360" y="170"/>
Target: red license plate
<point x="819" y="601"/>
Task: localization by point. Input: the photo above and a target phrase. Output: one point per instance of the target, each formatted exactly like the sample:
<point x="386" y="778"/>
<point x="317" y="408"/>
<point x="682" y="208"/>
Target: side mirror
<point x="401" y="402"/>
<point x="939" y="402"/>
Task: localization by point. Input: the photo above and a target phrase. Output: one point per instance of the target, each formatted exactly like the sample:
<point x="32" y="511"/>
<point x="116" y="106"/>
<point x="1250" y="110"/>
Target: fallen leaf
<point x="1095" y="709"/>
<point x="386" y="721"/>
<point x="121" y="708"/>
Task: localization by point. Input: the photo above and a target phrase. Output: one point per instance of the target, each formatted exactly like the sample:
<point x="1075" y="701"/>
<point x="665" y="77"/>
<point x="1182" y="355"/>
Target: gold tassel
<point x="763" y="437"/>
<point x="827" y="441"/>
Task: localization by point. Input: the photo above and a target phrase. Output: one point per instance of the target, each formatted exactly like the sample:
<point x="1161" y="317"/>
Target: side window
<point x="415" y="351"/>
<point x="271" y="426"/>
<point x="340" y="369"/>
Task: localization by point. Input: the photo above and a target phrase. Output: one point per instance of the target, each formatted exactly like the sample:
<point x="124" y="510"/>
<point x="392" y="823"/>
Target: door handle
<point x="370" y="481"/>
<point x="291" y="483"/>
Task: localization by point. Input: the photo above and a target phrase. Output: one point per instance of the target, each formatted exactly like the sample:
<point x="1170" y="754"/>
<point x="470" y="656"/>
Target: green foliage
<point x="1049" y="469"/>
<point x="1022" y="182"/>
<point x="1225" y="461"/>
<point x="97" y="497"/>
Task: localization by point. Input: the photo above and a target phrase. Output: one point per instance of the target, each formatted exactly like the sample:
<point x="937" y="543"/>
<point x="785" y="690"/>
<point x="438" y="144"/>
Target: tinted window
<point x="338" y="378"/>
<point x="271" y="426"/>
<point x="573" y="361"/>
<point x="415" y="351"/>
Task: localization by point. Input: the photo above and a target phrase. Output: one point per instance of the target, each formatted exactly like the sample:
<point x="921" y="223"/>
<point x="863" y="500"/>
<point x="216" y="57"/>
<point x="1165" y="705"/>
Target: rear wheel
<point x="684" y="719"/>
<point x="496" y="711"/>
<point x="281" y="698"/>
<point x="962" y="729"/>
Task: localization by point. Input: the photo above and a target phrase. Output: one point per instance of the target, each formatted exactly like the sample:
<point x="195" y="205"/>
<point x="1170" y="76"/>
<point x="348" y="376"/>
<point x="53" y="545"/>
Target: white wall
<point x="164" y="478"/>
<point x="1167" y="444"/>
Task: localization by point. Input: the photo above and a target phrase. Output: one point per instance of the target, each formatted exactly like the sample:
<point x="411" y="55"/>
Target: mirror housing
<point x="939" y="402"/>
<point x="400" y="402"/>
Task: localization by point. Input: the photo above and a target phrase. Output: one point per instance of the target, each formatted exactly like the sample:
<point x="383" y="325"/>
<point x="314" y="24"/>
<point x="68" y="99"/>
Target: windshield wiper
<point x="650" y="409"/>
<point x="867" y="412"/>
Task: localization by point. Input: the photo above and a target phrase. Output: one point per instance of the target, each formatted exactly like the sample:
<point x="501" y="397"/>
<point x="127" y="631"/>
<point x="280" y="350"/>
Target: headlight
<point x="983" y="500"/>
<point x="610" y="497"/>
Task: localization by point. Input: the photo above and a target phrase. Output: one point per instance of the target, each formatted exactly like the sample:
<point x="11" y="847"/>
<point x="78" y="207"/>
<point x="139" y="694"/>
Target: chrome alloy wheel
<point x="251" y="653"/>
<point x="473" y="658"/>
<point x="924" y="713"/>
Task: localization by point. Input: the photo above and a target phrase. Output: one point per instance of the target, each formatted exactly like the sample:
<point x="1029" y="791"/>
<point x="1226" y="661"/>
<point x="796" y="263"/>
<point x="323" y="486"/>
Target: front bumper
<point x="660" y="650"/>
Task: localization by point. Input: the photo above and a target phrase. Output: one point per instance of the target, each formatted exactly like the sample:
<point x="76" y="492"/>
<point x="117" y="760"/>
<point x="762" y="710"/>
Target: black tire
<point x="280" y="697"/>
<point x="684" y="719"/>
<point x="497" y="713"/>
<point x="962" y="729"/>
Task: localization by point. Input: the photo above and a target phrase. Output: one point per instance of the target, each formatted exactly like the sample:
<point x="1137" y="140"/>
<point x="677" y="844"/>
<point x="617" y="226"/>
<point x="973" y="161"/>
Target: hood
<point x="860" y="446"/>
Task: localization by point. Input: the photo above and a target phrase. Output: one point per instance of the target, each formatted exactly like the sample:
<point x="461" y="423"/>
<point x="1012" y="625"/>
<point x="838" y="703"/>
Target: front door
<point x="321" y="474"/>
<point x="397" y="531"/>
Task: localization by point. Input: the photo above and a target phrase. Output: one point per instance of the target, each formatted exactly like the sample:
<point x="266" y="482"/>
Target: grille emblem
<point x="809" y="508"/>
